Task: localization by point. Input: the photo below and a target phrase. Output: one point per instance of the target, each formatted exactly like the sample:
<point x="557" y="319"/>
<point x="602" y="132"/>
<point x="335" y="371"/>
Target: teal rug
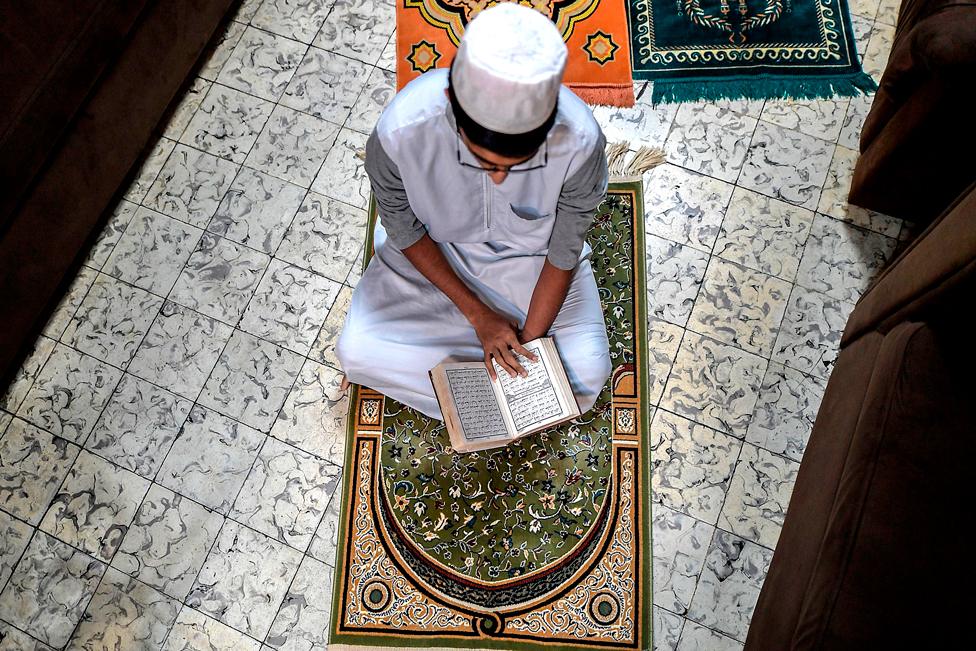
<point x="745" y="49"/>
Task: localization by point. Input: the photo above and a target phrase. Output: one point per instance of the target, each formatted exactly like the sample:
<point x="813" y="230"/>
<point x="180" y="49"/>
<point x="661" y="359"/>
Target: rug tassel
<point x="645" y="159"/>
<point x="616" y="155"/>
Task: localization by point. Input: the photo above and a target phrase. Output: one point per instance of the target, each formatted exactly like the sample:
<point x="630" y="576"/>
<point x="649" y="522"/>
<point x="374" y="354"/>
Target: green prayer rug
<point x="543" y="544"/>
<point x="745" y="49"/>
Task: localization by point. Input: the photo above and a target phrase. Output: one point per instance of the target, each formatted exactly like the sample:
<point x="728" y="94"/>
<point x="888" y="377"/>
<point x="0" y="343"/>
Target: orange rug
<point x="595" y="31"/>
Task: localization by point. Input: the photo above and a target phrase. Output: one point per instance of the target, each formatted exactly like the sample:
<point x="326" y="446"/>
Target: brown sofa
<point x="873" y="551"/>
<point x="84" y="83"/>
<point x="918" y="144"/>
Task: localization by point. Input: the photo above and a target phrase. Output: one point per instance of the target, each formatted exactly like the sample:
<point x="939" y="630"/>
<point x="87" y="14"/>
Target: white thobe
<point x="495" y="237"/>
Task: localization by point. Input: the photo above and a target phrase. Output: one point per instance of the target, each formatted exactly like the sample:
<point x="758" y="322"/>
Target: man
<point x="486" y="177"/>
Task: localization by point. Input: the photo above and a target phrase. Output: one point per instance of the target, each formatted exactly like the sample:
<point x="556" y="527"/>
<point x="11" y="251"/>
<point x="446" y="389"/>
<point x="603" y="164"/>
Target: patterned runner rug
<point x="595" y="31"/>
<point x="544" y="544"/>
<point x="755" y="49"/>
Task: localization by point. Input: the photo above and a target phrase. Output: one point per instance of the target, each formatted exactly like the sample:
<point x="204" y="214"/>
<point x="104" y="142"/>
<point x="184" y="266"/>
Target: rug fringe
<point x="620" y="96"/>
<point x="616" y="155"/>
<point x="667" y="91"/>
<point x="644" y="159"/>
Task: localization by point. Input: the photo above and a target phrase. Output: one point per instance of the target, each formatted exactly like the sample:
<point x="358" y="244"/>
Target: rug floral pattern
<point x="547" y="520"/>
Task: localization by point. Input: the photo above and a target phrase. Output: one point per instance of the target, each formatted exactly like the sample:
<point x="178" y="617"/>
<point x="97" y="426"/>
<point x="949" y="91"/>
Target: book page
<point x="532" y="400"/>
<point x="474" y="399"/>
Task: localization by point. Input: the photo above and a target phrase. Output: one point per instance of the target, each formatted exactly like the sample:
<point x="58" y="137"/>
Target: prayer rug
<point x="543" y="544"/>
<point x="753" y="49"/>
<point x="595" y="31"/>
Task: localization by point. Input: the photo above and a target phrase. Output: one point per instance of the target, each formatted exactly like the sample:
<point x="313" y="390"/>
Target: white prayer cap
<point x="509" y="67"/>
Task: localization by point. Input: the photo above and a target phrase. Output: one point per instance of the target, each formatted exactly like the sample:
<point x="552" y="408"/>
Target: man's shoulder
<point x="420" y="101"/>
<point x="577" y="119"/>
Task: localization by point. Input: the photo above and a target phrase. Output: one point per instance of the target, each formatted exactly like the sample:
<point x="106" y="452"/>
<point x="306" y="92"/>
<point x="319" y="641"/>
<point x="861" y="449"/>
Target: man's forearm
<point x="547" y="299"/>
<point x="427" y="257"/>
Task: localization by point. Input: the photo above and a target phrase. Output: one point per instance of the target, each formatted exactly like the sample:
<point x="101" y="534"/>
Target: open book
<point x="481" y="413"/>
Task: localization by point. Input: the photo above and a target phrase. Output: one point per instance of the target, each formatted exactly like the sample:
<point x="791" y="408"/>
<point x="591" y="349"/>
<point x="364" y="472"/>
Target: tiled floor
<point x="170" y="452"/>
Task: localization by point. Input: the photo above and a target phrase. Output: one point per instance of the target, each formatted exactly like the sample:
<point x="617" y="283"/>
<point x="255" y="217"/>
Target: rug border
<point x="846" y="81"/>
<point x="352" y="641"/>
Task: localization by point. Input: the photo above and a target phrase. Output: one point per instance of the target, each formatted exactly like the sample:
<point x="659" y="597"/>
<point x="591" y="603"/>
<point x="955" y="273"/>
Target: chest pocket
<point x="526" y="227"/>
<point x="528" y="213"/>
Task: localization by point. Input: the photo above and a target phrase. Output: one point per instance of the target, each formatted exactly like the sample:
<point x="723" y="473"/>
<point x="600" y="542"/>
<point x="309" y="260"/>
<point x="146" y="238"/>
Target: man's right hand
<point x="499" y="339"/>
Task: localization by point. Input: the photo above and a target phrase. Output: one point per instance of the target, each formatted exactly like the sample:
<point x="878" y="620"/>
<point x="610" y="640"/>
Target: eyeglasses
<point x="514" y="169"/>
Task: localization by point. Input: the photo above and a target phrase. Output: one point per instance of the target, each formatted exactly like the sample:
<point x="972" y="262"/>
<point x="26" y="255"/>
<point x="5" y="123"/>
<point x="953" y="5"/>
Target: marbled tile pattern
<point x="710" y="139"/>
<point x="26" y="374"/>
<point x="326" y="85"/>
<point x="187" y="106"/>
<point x="714" y="384"/>
<point x="324" y="237"/>
<point x="324" y="542"/>
<point x="94" y="506"/>
<point x="809" y="337"/>
<point x="822" y="118"/>
<point x="152" y="251"/>
<point x="303" y="621"/>
<point x="180" y="350"/>
<point x="194" y="630"/>
<point x="240" y="425"/>
<point x="379" y="90"/>
<point x="50" y="589"/>
<point x="691" y="465"/>
<point x="758" y="495"/>
<point x="313" y="417"/>
<point x="288" y="306"/>
<point x="642" y="125"/>
<point x="156" y="155"/>
<point x="680" y="543"/>
<point x="358" y="29"/>
<point x="251" y="380"/>
<point x="683" y="206"/>
<point x="262" y="64"/>
<point x="69" y="393"/>
<point x="674" y="277"/>
<point x="667" y="629"/>
<point x="292" y="146"/>
<point x="190" y="185"/>
<point x="68" y="305"/>
<point x="227" y="123"/>
<point x="286" y="493"/>
<point x="729" y="584"/>
<point x="740" y="306"/>
<point x="786" y="410"/>
<point x="244" y="579"/>
<point x="841" y="260"/>
<point x="786" y="165"/>
<point x="343" y="175"/>
<point x="125" y="614"/>
<point x="297" y="19"/>
<point x="219" y="278"/>
<point x="11" y="638"/>
<point x="323" y="350"/>
<point x="14" y="536"/>
<point x="256" y="210"/>
<point x="138" y="426"/>
<point x="764" y="234"/>
<point x="833" y="201"/>
<point x="33" y="464"/>
<point x="168" y="541"/>
<point x="112" y="320"/>
<point x="695" y="637"/>
<point x="210" y="459"/>
<point x="109" y="236"/>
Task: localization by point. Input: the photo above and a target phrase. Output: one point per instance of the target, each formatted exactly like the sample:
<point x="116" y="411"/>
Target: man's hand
<point x="499" y="339"/>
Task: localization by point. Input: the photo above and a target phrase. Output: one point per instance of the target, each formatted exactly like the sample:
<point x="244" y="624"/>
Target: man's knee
<point x="588" y="360"/>
<point x="352" y="349"/>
